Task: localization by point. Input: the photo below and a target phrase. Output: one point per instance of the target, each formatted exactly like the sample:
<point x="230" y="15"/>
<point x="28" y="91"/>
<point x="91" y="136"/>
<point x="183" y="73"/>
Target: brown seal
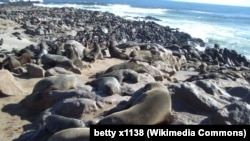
<point x="122" y="75"/>
<point x="51" y="60"/>
<point x="72" y="134"/>
<point x="148" y="56"/>
<point x="11" y="62"/>
<point x="128" y="65"/>
<point x="71" y="54"/>
<point x="115" y="52"/>
<point x="94" y="54"/>
<point x="58" y="82"/>
<point x="152" y="106"/>
<point x="55" y="123"/>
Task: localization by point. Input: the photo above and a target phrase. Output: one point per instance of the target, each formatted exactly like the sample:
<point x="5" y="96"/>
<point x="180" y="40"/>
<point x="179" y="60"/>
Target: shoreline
<point x="200" y="22"/>
<point x="206" y="76"/>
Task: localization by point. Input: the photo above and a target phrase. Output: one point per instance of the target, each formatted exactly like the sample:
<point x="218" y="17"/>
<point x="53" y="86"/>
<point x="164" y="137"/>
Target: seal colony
<point x="87" y="67"/>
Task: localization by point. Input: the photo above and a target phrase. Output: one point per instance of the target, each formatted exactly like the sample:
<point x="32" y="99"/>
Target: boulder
<point x="8" y="84"/>
<point x="35" y="70"/>
<point x="233" y="114"/>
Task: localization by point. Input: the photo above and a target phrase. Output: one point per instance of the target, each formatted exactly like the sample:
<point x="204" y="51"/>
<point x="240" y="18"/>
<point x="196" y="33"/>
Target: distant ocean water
<point x="228" y="26"/>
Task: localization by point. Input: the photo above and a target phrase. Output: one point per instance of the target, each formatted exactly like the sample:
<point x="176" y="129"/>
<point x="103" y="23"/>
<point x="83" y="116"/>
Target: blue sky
<point x="222" y="2"/>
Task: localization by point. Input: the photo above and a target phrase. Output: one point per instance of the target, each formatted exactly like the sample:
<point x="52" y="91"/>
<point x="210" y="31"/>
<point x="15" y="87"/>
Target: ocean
<point x="228" y="26"/>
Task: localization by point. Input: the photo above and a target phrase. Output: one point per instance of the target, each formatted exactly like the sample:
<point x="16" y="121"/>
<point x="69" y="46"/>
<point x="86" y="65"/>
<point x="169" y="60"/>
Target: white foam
<point x="118" y="9"/>
<point x="57" y="5"/>
<point x="200" y="12"/>
<point x="127" y="10"/>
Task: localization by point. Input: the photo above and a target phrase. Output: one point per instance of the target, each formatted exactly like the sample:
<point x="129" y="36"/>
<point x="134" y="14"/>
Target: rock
<point x="35" y="71"/>
<point x="241" y="92"/>
<point x="8" y="85"/>
<point x="198" y="98"/>
<point x="233" y="114"/>
<point x="213" y="89"/>
<point x="75" y="107"/>
<point x="227" y="84"/>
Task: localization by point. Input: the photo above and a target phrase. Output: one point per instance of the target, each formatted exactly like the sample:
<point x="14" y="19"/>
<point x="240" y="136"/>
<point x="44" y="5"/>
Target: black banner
<point x="161" y="132"/>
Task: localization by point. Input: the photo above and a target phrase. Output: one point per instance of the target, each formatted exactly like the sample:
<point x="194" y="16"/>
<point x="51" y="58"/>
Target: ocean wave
<point x="118" y="9"/>
<point x="201" y="12"/>
<point x="52" y="5"/>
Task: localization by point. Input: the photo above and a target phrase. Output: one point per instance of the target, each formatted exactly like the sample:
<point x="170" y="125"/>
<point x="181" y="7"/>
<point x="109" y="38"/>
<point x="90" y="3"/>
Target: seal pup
<point x="108" y="85"/>
<point x="148" y="56"/>
<point x="122" y="75"/>
<point x="128" y="65"/>
<point x="150" y="106"/>
<point x="115" y="52"/>
<point x="72" y="134"/>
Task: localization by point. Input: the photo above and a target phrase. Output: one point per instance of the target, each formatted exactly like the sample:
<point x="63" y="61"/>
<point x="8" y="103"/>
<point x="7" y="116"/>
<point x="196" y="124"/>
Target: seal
<point x="128" y="65"/>
<point x="76" y="46"/>
<point x="202" y="68"/>
<point x="115" y="52"/>
<point x="51" y="60"/>
<point x="71" y="54"/>
<point x="122" y="75"/>
<point x="55" y="123"/>
<point x="43" y="49"/>
<point x="1" y="41"/>
<point x="72" y="134"/>
<point x="94" y="54"/>
<point x="148" y="56"/>
<point x="150" y="106"/>
<point x="24" y="55"/>
<point x="58" y="82"/>
<point x="108" y="85"/>
<point x="11" y="62"/>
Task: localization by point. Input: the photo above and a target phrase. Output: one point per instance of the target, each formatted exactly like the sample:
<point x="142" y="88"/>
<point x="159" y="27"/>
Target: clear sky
<point x="222" y="2"/>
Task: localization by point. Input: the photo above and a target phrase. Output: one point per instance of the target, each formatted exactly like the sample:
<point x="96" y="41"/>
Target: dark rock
<point x="198" y="98"/>
<point x="35" y="70"/>
<point x="233" y="114"/>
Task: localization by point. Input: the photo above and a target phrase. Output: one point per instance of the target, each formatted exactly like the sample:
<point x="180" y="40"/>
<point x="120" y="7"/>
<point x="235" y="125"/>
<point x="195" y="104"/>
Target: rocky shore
<point x="66" y="68"/>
